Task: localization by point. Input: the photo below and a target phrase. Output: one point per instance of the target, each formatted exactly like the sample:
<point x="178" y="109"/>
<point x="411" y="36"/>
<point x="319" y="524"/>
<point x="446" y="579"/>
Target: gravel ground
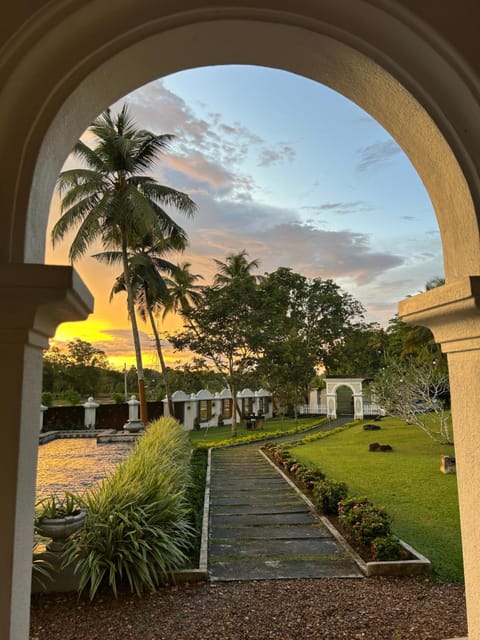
<point x="373" y="609"/>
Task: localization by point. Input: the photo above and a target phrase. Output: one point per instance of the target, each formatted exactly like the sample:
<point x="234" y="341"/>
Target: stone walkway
<point x="261" y="529"/>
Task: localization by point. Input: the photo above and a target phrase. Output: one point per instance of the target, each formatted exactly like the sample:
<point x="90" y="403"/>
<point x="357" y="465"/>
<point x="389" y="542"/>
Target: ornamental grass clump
<point x="138" y="528"/>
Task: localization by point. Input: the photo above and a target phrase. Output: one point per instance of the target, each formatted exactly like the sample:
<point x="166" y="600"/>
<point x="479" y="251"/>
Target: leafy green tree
<point x="111" y="200"/>
<point x="222" y="329"/>
<point x="78" y="367"/>
<point x="357" y="353"/>
<point x="288" y="370"/>
<point x="302" y="321"/>
<point x="413" y="341"/>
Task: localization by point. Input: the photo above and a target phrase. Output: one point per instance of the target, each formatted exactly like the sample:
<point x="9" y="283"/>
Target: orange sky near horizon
<point x="108" y="327"/>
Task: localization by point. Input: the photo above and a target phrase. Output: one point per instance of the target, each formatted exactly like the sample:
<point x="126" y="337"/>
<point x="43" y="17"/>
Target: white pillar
<point x="133" y="408"/>
<point x="43" y="408"/>
<point x="358" y="406"/>
<point x="90" y="413"/>
<point x="35" y="300"/>
<point x="332" y="406"/>
<point x="452" y="312"/>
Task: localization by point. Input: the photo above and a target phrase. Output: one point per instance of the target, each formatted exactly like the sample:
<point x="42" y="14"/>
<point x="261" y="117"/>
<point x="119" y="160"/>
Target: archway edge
<point x="333" y="43"/>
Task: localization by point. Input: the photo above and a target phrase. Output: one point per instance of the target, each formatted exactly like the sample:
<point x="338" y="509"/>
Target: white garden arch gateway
<point x="414" y="66"/>
<point x="355" y="385"/>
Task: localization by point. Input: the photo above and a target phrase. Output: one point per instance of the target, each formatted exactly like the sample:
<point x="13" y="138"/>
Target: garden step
<point x="269" y="532"/>
<point x="255" y="500"/>
<point x="295" y="507"/>
<point x="241" y="519"/>
<point x="284" y="569"/>
<point x="265" y="548"/>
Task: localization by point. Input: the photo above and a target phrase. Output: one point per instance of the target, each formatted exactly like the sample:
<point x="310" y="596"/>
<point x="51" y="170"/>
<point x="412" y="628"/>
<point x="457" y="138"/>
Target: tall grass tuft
<point x="138" y="526"/>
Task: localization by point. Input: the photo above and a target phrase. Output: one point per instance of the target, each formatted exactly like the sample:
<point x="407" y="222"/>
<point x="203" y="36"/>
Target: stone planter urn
<point x="134" y="426"/>
<point x="59" y="529"/>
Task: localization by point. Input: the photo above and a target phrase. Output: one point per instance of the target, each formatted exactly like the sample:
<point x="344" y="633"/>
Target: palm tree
<point x="112" y="201"/>
<point x="183" y="293"/>
<point x="235" y="267"/>
<point x="147" y="266"/>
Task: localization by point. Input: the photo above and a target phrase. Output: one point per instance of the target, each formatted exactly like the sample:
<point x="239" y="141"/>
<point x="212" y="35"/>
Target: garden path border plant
<point x="417" y="566"/>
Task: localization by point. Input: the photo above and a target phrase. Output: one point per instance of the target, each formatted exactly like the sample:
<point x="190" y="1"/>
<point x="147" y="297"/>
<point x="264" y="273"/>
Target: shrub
<point x="138" y="523"/>
<point x="309" y="477"/>
<point x="362" y="521"/>
<point x="387" y="548"/>
<point x="118" y="398"/>
<point x="71" y="396"/>
<point x="47" y="398"/>
<point x="328" y="494"/>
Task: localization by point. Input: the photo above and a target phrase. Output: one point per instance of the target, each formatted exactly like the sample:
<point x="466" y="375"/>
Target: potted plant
<point x="57" y="518"/>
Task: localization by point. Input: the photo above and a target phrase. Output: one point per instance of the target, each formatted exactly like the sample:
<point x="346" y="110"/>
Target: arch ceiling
<point x="400" y="80"/>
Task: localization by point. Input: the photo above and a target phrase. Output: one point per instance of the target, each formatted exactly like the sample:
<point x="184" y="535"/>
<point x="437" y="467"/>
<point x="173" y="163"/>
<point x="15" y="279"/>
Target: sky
<point x="290" y="171"/>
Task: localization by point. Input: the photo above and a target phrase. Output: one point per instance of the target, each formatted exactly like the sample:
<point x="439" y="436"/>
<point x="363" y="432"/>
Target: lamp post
<point x="125" y="381"/>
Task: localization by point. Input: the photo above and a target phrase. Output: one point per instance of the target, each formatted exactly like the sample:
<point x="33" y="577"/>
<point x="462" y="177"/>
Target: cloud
<point x="341" y="208"/>
<point x="409" y="218"/>
<point x="377" y="153"/>
<point x="200" y="169"/>
<point x="280" y="238"/>
<point x="274" y="155"/>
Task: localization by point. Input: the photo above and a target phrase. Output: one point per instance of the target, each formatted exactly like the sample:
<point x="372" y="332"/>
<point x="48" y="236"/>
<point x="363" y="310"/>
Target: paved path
<point x="261" y="529"/>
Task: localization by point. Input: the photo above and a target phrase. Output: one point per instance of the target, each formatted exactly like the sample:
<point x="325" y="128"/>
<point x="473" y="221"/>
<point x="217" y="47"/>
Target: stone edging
<point x="419" y="565"/>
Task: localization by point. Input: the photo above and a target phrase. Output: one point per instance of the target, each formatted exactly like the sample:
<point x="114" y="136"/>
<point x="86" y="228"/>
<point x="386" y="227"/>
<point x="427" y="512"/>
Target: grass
<point x="219" y="436"/>
<point x="407" y="481"/>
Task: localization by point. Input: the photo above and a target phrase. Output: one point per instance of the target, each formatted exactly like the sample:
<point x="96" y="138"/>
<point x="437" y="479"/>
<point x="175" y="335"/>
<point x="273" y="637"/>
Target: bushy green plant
<point x="47" y="398"/>
<point x="362" y="521"/>
<point x="42" y="569"/>
<point x="71" y="396"/>
<point x="118" y="398"/>
<point x="56" y="506"/>
<point x="387" y="548"/>
<point x="138" y="525"/>
<point x="328" y="494"/>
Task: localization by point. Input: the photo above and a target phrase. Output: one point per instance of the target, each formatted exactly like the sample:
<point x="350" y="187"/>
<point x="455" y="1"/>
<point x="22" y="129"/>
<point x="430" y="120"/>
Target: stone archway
<point x="414" y="68"/>
<point x="344" y="397"/>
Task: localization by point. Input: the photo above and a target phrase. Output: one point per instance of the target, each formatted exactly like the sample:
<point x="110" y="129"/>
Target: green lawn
<point x="276" y="426"/>
<point x="407" y="481"/>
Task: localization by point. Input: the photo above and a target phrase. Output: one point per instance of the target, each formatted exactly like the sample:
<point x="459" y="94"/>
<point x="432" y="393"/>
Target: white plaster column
<point x="90" y="413"/>
<point x="43" y="408"/>
<point x="358" y="406"/>
<point x="35" y="300"/>
<point x="452" y="312"/>
<point x="134" y="408"/>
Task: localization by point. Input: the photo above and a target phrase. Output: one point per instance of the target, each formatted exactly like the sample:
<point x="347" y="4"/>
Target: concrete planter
<point x="59" y="529"/>
<point x="417" y="565"/>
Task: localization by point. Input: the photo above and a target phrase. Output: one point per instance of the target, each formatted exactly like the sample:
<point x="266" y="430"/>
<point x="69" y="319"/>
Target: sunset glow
<point x="290" y="171"/>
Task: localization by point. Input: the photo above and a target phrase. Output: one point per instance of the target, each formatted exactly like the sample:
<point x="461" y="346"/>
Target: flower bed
<point x="354" y="521"/>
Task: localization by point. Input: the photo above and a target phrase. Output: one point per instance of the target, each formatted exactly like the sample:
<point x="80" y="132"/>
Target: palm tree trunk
<point x="136" y="337"/>
<point x="163" y="367"/>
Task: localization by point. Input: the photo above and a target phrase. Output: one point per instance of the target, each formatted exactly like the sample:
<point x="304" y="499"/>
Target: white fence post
<point x="43" y="408"/>
<point x="133" y="408"/>
<point x="90" y="412"/>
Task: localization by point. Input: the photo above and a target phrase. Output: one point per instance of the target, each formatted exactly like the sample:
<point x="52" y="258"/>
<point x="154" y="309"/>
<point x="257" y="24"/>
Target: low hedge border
<point x="412" y="562"/>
